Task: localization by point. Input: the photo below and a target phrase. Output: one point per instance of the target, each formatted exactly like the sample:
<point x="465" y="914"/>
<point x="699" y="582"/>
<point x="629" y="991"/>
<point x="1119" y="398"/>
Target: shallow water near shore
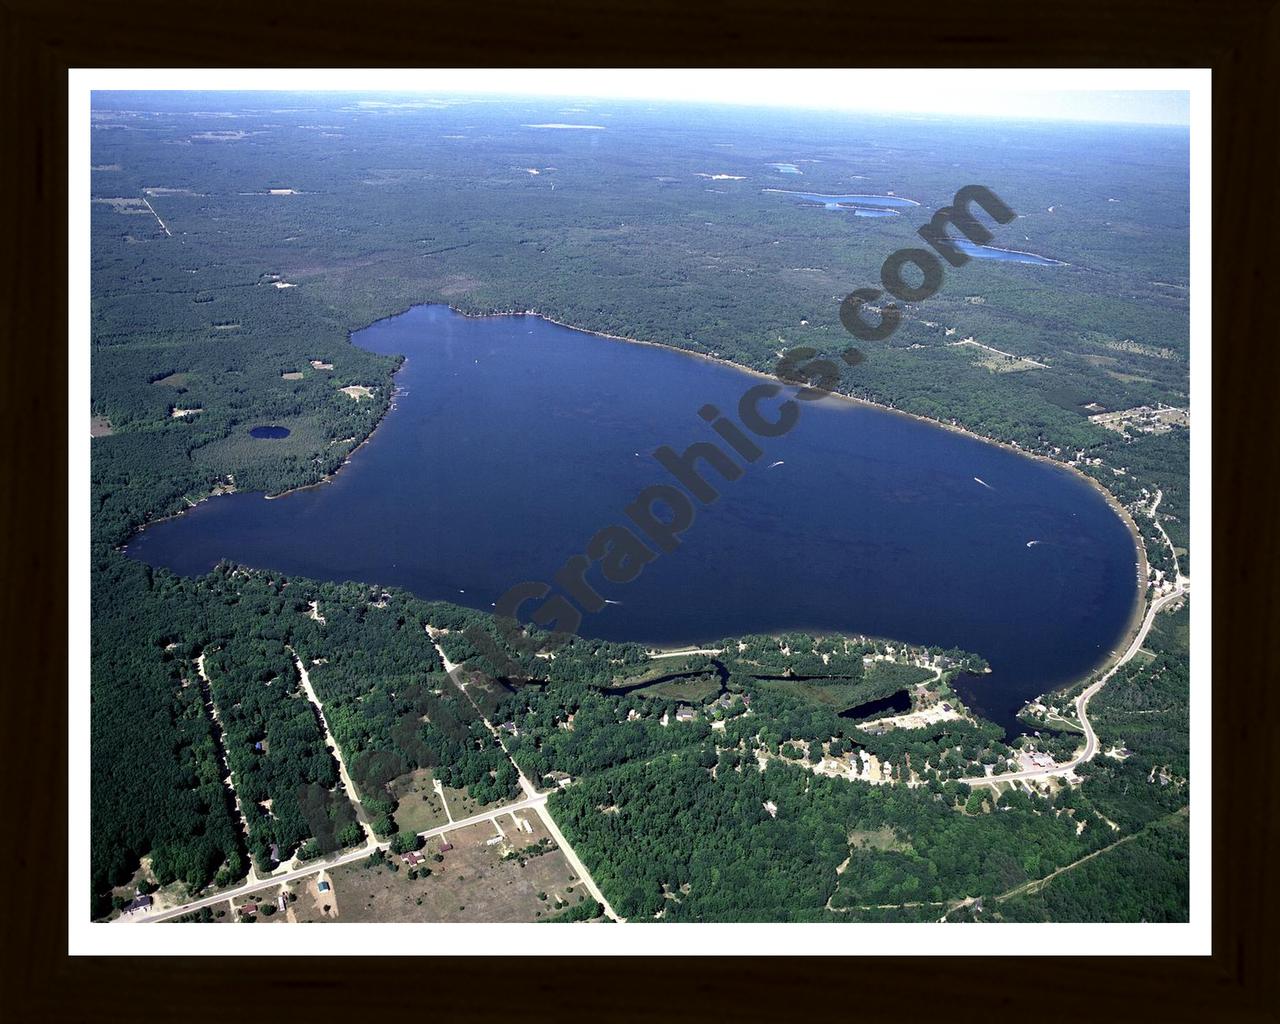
<point x="515" y="439"/>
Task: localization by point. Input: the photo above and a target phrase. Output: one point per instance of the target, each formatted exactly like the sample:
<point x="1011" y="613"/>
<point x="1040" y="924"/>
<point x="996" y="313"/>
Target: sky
<point x="1145" y="96"/>
<point x="1034" y="95"/>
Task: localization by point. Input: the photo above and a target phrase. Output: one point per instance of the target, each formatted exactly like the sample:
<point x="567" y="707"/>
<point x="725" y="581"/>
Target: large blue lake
<point x="514" y="440"/>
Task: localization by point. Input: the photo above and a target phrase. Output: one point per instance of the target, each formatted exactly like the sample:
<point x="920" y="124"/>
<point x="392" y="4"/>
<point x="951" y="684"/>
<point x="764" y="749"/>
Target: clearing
<point x="473" y="882"/>
<point x="173" y="380"/>
<point x="420" y="807"/>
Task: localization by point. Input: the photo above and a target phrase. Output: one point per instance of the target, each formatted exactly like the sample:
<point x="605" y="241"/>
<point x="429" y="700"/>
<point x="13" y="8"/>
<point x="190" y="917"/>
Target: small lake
<point x="266" y="432"/>
<point x="514" y="440"/>
<point x="892" y="206"/>
<point x="858" y="205"/>
<point x="991" y="252"/>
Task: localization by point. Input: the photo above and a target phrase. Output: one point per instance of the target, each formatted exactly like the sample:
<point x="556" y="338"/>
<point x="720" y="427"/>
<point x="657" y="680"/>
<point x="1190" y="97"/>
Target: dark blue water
<point x="514" y="440"/>
<point x="895" y="702"/>
<point x="269" y="432"/>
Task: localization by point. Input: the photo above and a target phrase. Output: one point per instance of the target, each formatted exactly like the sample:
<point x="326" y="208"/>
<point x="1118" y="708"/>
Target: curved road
<point x="1182" y="588"/>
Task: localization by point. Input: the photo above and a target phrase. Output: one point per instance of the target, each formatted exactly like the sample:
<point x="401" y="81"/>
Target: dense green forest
<point x="221" y="305"/>
<point x="694" y="841"/>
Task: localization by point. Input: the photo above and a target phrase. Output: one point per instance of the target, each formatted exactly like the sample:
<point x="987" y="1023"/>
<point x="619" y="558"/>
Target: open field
<point x="694" y="688"/>
<point x="472" y="883"/>
<point x="419" y="805"/>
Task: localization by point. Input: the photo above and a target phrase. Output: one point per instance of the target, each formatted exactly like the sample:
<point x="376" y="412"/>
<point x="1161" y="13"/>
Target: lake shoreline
<point x="1139" y="605"/>
<point x="1137" y="613"/>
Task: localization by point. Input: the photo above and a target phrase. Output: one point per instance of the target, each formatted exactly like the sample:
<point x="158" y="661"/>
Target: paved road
<point x="529" y="803"/>
<point x="1082" y="702"/>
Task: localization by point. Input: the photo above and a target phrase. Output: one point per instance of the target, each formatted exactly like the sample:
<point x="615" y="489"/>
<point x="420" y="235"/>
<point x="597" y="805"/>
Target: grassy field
<point x="419" y="806"/>
<point x="463" y="806"/>
<point x="831" y="695"/>
<point x="882" y="838"/>
<point x="472" y="883"/>
<point x="695" y="689"/>
<point x="637" y="675"/>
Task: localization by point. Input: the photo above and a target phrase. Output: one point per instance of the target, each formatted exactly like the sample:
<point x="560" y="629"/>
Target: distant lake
<point x="858" y="205"/>
<point x="991" y="252"/>
<point x="513" y="440"/>
<point x="892" y="206"/>
<point x="269" y="432"/>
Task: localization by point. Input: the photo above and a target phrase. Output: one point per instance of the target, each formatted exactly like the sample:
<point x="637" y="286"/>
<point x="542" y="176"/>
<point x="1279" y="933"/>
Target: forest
<point x="238" y="313"/>
<point x="693" y="841"/>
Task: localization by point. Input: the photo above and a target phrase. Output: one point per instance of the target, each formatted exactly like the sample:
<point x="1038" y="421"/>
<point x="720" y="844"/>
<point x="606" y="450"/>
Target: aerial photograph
<point x="525" y="505"/>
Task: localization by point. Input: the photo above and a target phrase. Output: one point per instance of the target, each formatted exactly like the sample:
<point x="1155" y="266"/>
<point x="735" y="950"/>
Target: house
<point x="946" y="706"/>
<point x="282" y="903"/>
<point x="445" y="846"/>
<point x="684" y="714"/>
<point x="249" y="910"/>
<point x="260" y="747"/>
<point x="137" y="903"/>
<point x="772" y="808"/>
<point x="324" y="887"/>
<point x="509" y="727"/>
<point x="561" y="779"/>
<point x="275" y="853"/>
<point x="413" y="858"/>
